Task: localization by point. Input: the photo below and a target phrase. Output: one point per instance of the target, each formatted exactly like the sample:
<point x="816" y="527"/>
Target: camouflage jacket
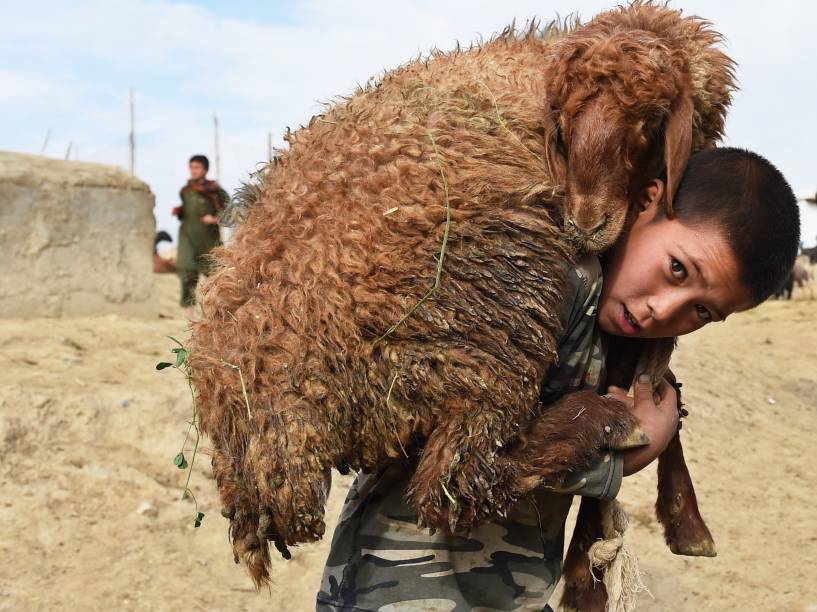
<point x="380" y="560"/>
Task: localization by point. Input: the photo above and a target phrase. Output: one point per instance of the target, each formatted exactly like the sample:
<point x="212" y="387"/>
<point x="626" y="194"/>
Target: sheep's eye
<point x="677" y="268"/>
<point x="703" y="313"/>
<point x="561" y="145"/>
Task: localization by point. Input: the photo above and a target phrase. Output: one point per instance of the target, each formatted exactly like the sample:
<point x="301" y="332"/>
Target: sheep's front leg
<point x="467" y="475"/>
<point x="677" y="506"/>
<point x="569" y="436"/>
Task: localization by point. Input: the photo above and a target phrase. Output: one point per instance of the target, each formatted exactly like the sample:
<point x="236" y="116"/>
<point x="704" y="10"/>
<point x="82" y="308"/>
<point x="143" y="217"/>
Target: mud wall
<point x="76" y="238"/>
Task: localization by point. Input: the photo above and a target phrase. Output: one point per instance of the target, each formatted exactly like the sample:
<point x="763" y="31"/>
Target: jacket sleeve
<point x="602" y="481"/>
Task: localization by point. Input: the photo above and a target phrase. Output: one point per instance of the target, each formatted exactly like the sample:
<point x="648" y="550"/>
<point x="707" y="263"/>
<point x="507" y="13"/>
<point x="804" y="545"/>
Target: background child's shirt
<point x="197" y="239"/>
<point x="381" y="560"/>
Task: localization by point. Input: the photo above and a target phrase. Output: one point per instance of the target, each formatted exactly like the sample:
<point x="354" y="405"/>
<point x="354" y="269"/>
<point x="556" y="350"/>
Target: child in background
<point x="202" y="202"/>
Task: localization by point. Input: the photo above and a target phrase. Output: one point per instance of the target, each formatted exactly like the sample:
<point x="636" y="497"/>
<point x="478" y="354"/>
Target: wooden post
<point x="45" y="142"/>
<point x="132" y="136"/>
<point x="269" y="146"/>
<point x="218" y="157"/>
<point x="68" y="150"/>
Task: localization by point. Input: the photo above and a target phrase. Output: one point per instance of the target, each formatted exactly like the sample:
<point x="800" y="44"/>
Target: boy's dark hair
<point x="752" y="203"/>
<point x="202" y="159"/>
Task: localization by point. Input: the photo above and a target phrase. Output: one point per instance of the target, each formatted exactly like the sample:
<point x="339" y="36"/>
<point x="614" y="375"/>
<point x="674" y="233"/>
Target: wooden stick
<point x="218" y="157"/>
<point x="45" y="142"/>
<point x="132" y="135"/>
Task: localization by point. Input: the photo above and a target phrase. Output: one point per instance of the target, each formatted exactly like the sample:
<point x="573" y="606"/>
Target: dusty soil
<point x="90" y="517"/>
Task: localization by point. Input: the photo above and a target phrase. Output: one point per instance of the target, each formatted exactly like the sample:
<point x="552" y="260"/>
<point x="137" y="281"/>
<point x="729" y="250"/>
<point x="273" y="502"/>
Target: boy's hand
<point x="209" y="219"/>
<point x="658" y="414"/>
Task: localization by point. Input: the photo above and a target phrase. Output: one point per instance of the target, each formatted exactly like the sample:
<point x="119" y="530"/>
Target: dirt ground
<point x="90" y="517"/>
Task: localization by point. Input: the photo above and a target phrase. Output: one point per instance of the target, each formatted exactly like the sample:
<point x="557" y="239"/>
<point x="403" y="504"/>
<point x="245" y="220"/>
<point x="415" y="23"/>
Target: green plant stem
<point x="443" y="247"/>
<point x="504" y="125"/>
<point x="184" y="367"/>
<point x="193" y="425"/>
<point x="243" y="386"/>
<point x="396" y="433"/>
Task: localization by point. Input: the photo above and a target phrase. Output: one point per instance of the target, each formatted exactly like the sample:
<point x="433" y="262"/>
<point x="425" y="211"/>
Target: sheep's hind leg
<point x="239" y="508"/>
<point x="279" y="499"/>
<point x="677" y="506"/>
<point x="583" y="592"/>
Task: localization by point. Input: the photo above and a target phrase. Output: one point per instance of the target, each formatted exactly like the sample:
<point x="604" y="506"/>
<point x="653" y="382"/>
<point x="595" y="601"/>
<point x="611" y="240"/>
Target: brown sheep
<point x="468" y="150"/>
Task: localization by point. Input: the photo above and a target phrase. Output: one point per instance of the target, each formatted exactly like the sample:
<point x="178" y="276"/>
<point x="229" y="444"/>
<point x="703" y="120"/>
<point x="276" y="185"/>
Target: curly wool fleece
<point x="341" y="241"/>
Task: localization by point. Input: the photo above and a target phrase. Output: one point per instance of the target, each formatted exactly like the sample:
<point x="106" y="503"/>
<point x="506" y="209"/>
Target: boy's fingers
<point x="666" y="394"/>
<point x="643" y="392"/>
<point x="617" y="392"/>
<point x="620" y="394"/>
<point x="664" y="388"/>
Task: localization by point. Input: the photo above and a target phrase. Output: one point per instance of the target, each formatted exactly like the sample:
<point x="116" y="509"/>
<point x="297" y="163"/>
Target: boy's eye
<point x="703" y="313"/>
<point x="678" y="269"/>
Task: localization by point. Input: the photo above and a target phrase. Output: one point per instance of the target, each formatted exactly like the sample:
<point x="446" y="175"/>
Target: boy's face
<point x="666" y="279"/>
<point x="197" y="170"/>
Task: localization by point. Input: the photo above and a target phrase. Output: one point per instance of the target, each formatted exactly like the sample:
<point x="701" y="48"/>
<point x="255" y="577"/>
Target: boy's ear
<point x="651" y="195"/>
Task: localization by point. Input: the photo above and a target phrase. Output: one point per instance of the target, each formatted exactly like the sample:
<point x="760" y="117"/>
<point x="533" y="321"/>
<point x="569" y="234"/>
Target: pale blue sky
<point x="263" y="66"/>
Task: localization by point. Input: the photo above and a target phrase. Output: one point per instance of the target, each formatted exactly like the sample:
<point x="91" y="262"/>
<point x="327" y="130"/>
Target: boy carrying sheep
<point x="731" y="243"/>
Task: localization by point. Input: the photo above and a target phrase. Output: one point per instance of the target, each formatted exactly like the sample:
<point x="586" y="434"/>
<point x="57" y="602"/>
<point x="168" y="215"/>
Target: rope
<point x="615" y="557"/>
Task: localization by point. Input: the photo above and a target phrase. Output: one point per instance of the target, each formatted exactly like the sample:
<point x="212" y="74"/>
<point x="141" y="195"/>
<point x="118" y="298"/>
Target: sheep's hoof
<point x="637" y="437"/>
<point x="251" y="542"/>
<point x="265" y="530"/>
<point x="700" y="547"/>
<point x="686" y="533"/>
<point x="282" y="548"/>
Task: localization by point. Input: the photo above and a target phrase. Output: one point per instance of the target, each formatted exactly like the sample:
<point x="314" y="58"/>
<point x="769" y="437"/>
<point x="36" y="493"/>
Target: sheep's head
<point x="628" y="101"/>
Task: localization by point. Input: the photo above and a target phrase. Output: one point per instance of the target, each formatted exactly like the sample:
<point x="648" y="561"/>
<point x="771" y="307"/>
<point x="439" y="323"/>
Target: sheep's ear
<point x="677" y="145"/>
